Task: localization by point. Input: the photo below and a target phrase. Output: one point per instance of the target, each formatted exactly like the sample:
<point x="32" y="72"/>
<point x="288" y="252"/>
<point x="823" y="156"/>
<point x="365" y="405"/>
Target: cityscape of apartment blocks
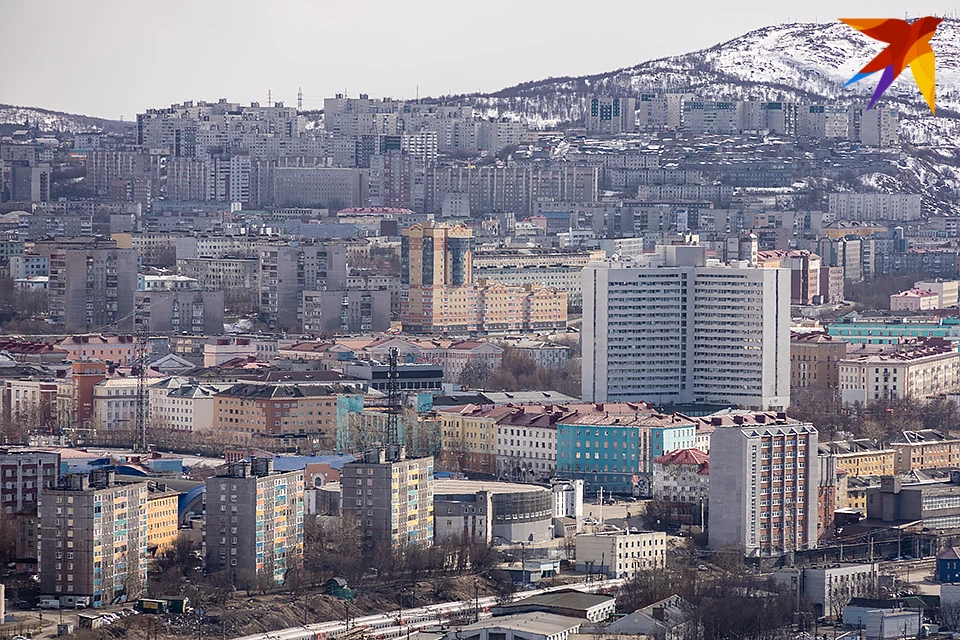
<point x="272" y="264"/>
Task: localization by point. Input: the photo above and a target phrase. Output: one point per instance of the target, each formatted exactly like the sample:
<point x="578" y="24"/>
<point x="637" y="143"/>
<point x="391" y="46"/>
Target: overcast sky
<point x="114" y="58"/>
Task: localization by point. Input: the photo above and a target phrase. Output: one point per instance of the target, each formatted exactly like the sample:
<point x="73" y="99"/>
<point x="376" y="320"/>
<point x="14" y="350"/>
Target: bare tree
<point x="950" y="614"/>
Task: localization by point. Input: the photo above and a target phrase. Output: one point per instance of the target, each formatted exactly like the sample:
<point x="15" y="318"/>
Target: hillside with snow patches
<point x="806" y="63"/>
<point x="797" y="62"/>
<point x="56" y="121"/>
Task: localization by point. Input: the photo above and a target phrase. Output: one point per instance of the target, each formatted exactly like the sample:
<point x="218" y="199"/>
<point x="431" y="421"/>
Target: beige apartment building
<point x="916" y="369"/>
<point x="815" y="361"/>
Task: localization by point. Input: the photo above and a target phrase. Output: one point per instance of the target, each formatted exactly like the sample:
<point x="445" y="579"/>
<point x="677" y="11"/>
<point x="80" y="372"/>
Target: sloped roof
<point x="684" y="456"/>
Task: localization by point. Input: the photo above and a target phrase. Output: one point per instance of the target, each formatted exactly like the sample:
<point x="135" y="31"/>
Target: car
<point x="591" y="521"/>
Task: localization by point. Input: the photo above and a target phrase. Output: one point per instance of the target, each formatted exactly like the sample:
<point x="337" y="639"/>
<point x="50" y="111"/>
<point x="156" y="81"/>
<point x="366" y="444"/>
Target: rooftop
<point x="445" y="487"/>
<point x="563" y="599"/>
<point x="547" y="624"/>
<point x="684" y="456"/>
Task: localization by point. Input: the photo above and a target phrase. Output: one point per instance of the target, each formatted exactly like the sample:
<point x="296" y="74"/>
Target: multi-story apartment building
<point x="106" y="167"/>
<point x="887" y="207"/>
<point x="176" y="405"/>
<point x="391" y="496"/>
<point x="30" y="400"/>
<point x="804" y="273"/>
<point x="829" y="589"/>
<point x="398" y="180"/>
<point x="346" y="311"/>
<point x="852" y="253"/>
<point x="610" y="115"/>
<point x="437" y="269"/>
<point x="527" y="443"/>
<point x="505" y="308"/>
<point x="514" y="189"/>
<point x="861" y="457"/>
<point x="287" y="271"/>
<point x="616" y="451"/>
<point x="815" y="361"/>
<point x="621" y="555"/>
<point x="948" y="291"/>
<point x="308" y="413"/>
<point x="677" y="328"/>
<point x="561" y="270"/>
<point x="548" y="355"/>
<point x="824" y="122"/>
<point x="23" y="474"/>
<point x="115" y="404"/>
<point x="180" y="310"/>
<point x="93" y="536"/>
<point x="28" y="264"/>
<point x="776" y="117"/>
<point x="682" y="479"/>
<point x="914" y="300"/>
<point x="253" y="521"/>
<point x="916" y="369"/>
<point x="879" y="127"/>
<point x="29" y="183"/>
<point x="706" y="116"/>
<point x="187" y="179"/>
<point x="925" y="449"/>
<point x="315" y="186"/>
<point x="163" y="522"/>
<point x="222" y="274"/>
<point x="764" y="478"/>
<point x="91" y="284"/>
<point x="112" y="349"/>
<point x="468" y="438"/>
<point x="718" y="194"/>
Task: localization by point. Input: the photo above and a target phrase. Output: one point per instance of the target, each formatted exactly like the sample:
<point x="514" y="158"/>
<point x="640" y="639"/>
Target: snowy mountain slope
<point x="51" y="121"/>
<point x="804" y="62"/>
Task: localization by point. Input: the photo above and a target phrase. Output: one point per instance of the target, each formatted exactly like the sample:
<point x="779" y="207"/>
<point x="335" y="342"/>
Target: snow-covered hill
<point x="56" y="121"/>
<point x="802" y="62"/>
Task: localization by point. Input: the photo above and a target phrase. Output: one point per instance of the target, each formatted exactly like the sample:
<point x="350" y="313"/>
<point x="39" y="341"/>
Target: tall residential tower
<point x="677" y="327"/>
<point x="437" y="268"/>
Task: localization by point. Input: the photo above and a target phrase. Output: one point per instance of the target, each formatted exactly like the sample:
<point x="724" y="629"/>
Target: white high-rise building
<point x="676" y="327"/>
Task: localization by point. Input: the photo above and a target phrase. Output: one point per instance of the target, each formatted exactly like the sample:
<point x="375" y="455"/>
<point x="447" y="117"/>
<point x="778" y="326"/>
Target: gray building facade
<point x="182" y="310"/>
<point x="93" y="536"/>
<point x="286" y="272"/>
<point x="391" y="496"/>
<point x="253" y="523"/>
<point x="92" y="283"/>
<point x="346" y="311"/>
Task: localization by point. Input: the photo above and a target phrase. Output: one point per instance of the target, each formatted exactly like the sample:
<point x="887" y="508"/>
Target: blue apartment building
<point x="616" y="452"/>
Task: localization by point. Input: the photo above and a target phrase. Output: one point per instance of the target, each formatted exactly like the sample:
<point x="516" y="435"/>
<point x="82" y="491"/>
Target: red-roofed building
<point x="914" y="300"/>
<point x="33" y="352"/>
<point x="117" y="350"/>
<point x="681" y="479"/>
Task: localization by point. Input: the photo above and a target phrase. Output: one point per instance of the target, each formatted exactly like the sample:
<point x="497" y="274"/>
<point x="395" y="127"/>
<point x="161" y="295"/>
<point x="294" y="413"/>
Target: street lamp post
<point x="476" y="598"/>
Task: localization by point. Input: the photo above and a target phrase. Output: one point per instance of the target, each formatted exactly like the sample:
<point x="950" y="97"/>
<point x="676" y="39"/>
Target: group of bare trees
<point x="880" y="420"/>
<point x="23" y="310"/>
<point x="519" y="371"/>
<point x="334" y="547"/>
<point x="727" y="602"/>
